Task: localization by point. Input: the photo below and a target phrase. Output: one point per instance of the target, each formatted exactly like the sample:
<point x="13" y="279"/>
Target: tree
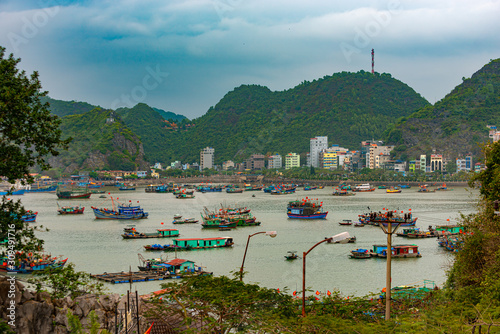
<point x="223" y="305"/>
<point x="28" y="135"/>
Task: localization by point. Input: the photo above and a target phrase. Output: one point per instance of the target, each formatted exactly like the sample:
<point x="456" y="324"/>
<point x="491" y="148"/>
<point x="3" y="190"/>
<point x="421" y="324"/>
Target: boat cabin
<point x="448" y="229"/>
<point x="397" y="251"/>
<point x="182" y="265"/>
<point x="203" y="242"/>
<point x="168" y="232"/>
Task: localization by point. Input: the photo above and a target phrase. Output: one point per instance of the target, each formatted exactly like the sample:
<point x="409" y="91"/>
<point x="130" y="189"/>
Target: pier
<point x="144" y="276"/>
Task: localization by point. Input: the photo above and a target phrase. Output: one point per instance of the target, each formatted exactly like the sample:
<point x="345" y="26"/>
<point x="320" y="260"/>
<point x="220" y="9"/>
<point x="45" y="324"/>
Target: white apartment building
<point x="317" y="145"/>
<point x="207" y="158"/>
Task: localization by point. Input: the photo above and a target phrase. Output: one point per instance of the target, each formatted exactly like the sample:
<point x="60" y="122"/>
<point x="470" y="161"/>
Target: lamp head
<point x="272" y="234"/>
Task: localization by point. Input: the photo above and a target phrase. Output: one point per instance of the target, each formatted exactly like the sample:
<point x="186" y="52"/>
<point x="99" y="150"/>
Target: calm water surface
<point x="96" y="246"/>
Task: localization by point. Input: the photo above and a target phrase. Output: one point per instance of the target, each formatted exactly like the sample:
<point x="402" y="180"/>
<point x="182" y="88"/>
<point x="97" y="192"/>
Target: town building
<point x="377" y="155"/>
<point x="465" y="164"/>
<point x="328" y="160"/>
<point x="207" y="158"/>
<point x="255" y="162"/>
<point x="423" y="162"/>
<point x="292" y="160"/>
<point x="228" y="165"/>
<point x="437" y="163"/>
<point x="274" y="162"/>
<point x="317" y="145"/>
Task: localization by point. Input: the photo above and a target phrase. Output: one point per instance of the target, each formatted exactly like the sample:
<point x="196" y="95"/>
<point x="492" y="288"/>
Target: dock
<point x="144" y="276"/>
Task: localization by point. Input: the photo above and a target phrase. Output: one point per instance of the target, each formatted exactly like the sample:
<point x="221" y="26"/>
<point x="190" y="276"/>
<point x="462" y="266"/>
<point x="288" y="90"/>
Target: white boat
<point x="364" y="187"/>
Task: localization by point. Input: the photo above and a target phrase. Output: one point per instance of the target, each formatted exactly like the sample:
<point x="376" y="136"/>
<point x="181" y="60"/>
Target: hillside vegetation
<point x="100" y="141"/>
<point x="346" y="107"/>
<point x="455" y="125"/>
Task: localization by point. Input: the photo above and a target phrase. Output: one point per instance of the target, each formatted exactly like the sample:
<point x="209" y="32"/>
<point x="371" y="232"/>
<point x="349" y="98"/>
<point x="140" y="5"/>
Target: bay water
<point x="96" y="246"/>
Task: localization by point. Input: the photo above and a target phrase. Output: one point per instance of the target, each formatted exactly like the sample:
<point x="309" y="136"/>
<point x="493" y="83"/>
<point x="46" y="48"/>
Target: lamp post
<point x="272" y="234"/>
<point x="304" y="274"/>
<point x="389" y="231"/>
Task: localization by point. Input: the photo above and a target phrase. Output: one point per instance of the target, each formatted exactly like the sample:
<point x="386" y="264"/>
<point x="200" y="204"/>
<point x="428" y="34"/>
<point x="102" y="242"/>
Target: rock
<point x="109" y="302"/>
<point x="84" y="304"/>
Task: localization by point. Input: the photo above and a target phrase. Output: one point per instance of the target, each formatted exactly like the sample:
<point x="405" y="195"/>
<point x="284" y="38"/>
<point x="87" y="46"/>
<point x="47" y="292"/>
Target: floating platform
<point x="143" y="276"/>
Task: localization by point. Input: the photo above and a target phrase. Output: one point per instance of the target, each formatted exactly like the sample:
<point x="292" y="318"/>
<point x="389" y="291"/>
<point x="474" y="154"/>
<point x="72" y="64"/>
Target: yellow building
<point x="292" y="160"/>
<point x="329" y="160"/>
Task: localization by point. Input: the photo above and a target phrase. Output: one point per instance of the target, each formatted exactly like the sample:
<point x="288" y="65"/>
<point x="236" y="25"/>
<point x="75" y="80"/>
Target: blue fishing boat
<point x="46" y="189"/>
<point x="120" y="211"/>
<point x="29" y="217"/>
<point x="15" y="192"/>
<point x="31" y="264"/>
<point x="306" y="209"/>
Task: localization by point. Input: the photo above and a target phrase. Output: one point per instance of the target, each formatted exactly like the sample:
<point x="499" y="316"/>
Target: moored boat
<point x="73" y="193"/>
<point x="393" y="190"/>
<point x="306" y="209"/>
<point x="194" y="243"/>
<point x="70" y="210"/>
<point x="365" y="187"/>
<point x="120" y="211"/>
<point x="360" y="253"/>
<point x="398" y="251"/>
<point x="29" y="216"/>
<point x="291" y="255"/>
<point x="160" y="233"/>
<point x="30" y="263"/>
<point x="184" y="221"/>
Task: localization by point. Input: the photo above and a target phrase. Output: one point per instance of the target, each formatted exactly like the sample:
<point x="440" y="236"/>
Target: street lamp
<point x="337" y="237"/>
<point x="389" y="231"/>
<point x="272" y="234"/>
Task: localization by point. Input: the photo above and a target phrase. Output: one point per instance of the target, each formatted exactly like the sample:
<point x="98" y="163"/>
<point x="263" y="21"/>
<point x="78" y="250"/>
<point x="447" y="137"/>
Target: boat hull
<point x="313" y="216"/>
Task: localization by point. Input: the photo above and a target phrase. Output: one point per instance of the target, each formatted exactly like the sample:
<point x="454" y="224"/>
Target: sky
<point x="185" y="55"/>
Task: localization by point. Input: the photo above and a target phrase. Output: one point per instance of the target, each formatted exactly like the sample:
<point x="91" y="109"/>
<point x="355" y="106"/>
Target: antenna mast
<point x="373" y="60"/>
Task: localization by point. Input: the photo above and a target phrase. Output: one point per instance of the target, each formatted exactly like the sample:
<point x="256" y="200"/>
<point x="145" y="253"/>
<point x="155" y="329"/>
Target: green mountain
<point x="65" y="108"/>
<point x="346" y="107"/>
<point x="168" y="115"/>
<point x="100" y="141"/>
<point x="455" y="125"/>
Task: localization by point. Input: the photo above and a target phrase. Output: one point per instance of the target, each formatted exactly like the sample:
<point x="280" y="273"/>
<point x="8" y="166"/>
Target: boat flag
<point x="328" y="293"/>
<point x="317" y="292"/>
<point x="149" y="329"/>
<point x="295" y="293"/>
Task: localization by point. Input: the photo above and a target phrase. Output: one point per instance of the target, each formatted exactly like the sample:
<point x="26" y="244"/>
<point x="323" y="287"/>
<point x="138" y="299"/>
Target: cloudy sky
<point x="185" y="55"/>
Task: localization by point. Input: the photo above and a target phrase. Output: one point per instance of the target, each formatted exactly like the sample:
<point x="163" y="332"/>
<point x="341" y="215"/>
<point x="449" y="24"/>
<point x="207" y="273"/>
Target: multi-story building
<point x="464" y="164"/>
<point x="255" y="162"/>
<point x="207" y="158"/>
<point x="437" y="162"/>
<point x="328" y="160"/>
<point x="412" y="166"/>
<point x="423" y="162"/>
<point x="292" y="160"/>
<point x="317" y="145"/>
<point x="374" y="154"/>
<point x="363" y="160"/>
<point x="381" y="161"/>
<point x="274" y="162"/>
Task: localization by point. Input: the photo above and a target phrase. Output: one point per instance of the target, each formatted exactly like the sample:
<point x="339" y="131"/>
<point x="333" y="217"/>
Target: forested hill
<point x="100" y="141"/>
<point x="346" y="107"/>
<point x="456" y="124"/>
<point x="64" y="108"/>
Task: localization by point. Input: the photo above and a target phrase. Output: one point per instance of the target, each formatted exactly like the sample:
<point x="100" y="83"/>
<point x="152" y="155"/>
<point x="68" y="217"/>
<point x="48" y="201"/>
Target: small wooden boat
<point x="393" y="190"/>
<point x="29" y="217"/>
<point x="341" y="238"/>
<point x="306" y="209"/>
<point x="342" y="193"/>
<point x="360" y="253"/>
<point x="227" y="227"/>
<point x="184" y="195"/>
<point x="160" y="233"/>
<point x="346" y="222"/>
<point x="185" y="221"/>
<point x="365" y="187"/>
<point x="291" y="255"/>
<point x="359" y="224"/>
<point x="121" y="212"/>
<point x="177" y="216"/>
<point x="71" y="210"/>
<point x="125" y="188"/>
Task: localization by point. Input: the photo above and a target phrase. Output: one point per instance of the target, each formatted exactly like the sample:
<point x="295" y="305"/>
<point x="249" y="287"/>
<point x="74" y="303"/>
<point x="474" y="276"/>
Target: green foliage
<point x="65" y="108"/>
<point x="65" y="281"/>
<point x="456" y="124"/>
<point x="5" y="328"/>
<point x="102" y="134"/>
<point x="76" y="327"/>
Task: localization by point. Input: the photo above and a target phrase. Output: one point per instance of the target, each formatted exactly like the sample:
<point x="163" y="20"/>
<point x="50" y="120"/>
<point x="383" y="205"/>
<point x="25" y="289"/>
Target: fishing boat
<point x="227" y="216"/>
<point x="249" y="187"/>
<point x="346" y="222"/>
<point x="307" y="188"/>
<point x="344" y="186"/>
<point x="70" y="210"/>
<point x="291" y="255"/>
<point x="393" y="190"/>
<point x="360" y="253"/>
<point x="31" y="263"/>
<point x="29" y="216"/>
<point x="179" y="220"/>
<point x="404" y="186"/>
<point x="398" y="251"/>
<point x="42" y="189"/>
<point x="342" y="193"/>
<point x="359" y="224"/>
<point x="341" y="238"/>
<point x="120" y="211"/>
<point x="365" y="187"/>
<point x="382" y="187"/>
<point x="159" y="233"/>
<point x="126" y="188"/>
<point x="13" y="192"/>
<point x="424" y="189"/>
<point x="234" y="190"/>
<point x="306" y="209"/>
<point x="443" y="187"/>
<point x="193" y="243"/>
<point x="184" y="195"/>
<point x="72" y="193"/>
